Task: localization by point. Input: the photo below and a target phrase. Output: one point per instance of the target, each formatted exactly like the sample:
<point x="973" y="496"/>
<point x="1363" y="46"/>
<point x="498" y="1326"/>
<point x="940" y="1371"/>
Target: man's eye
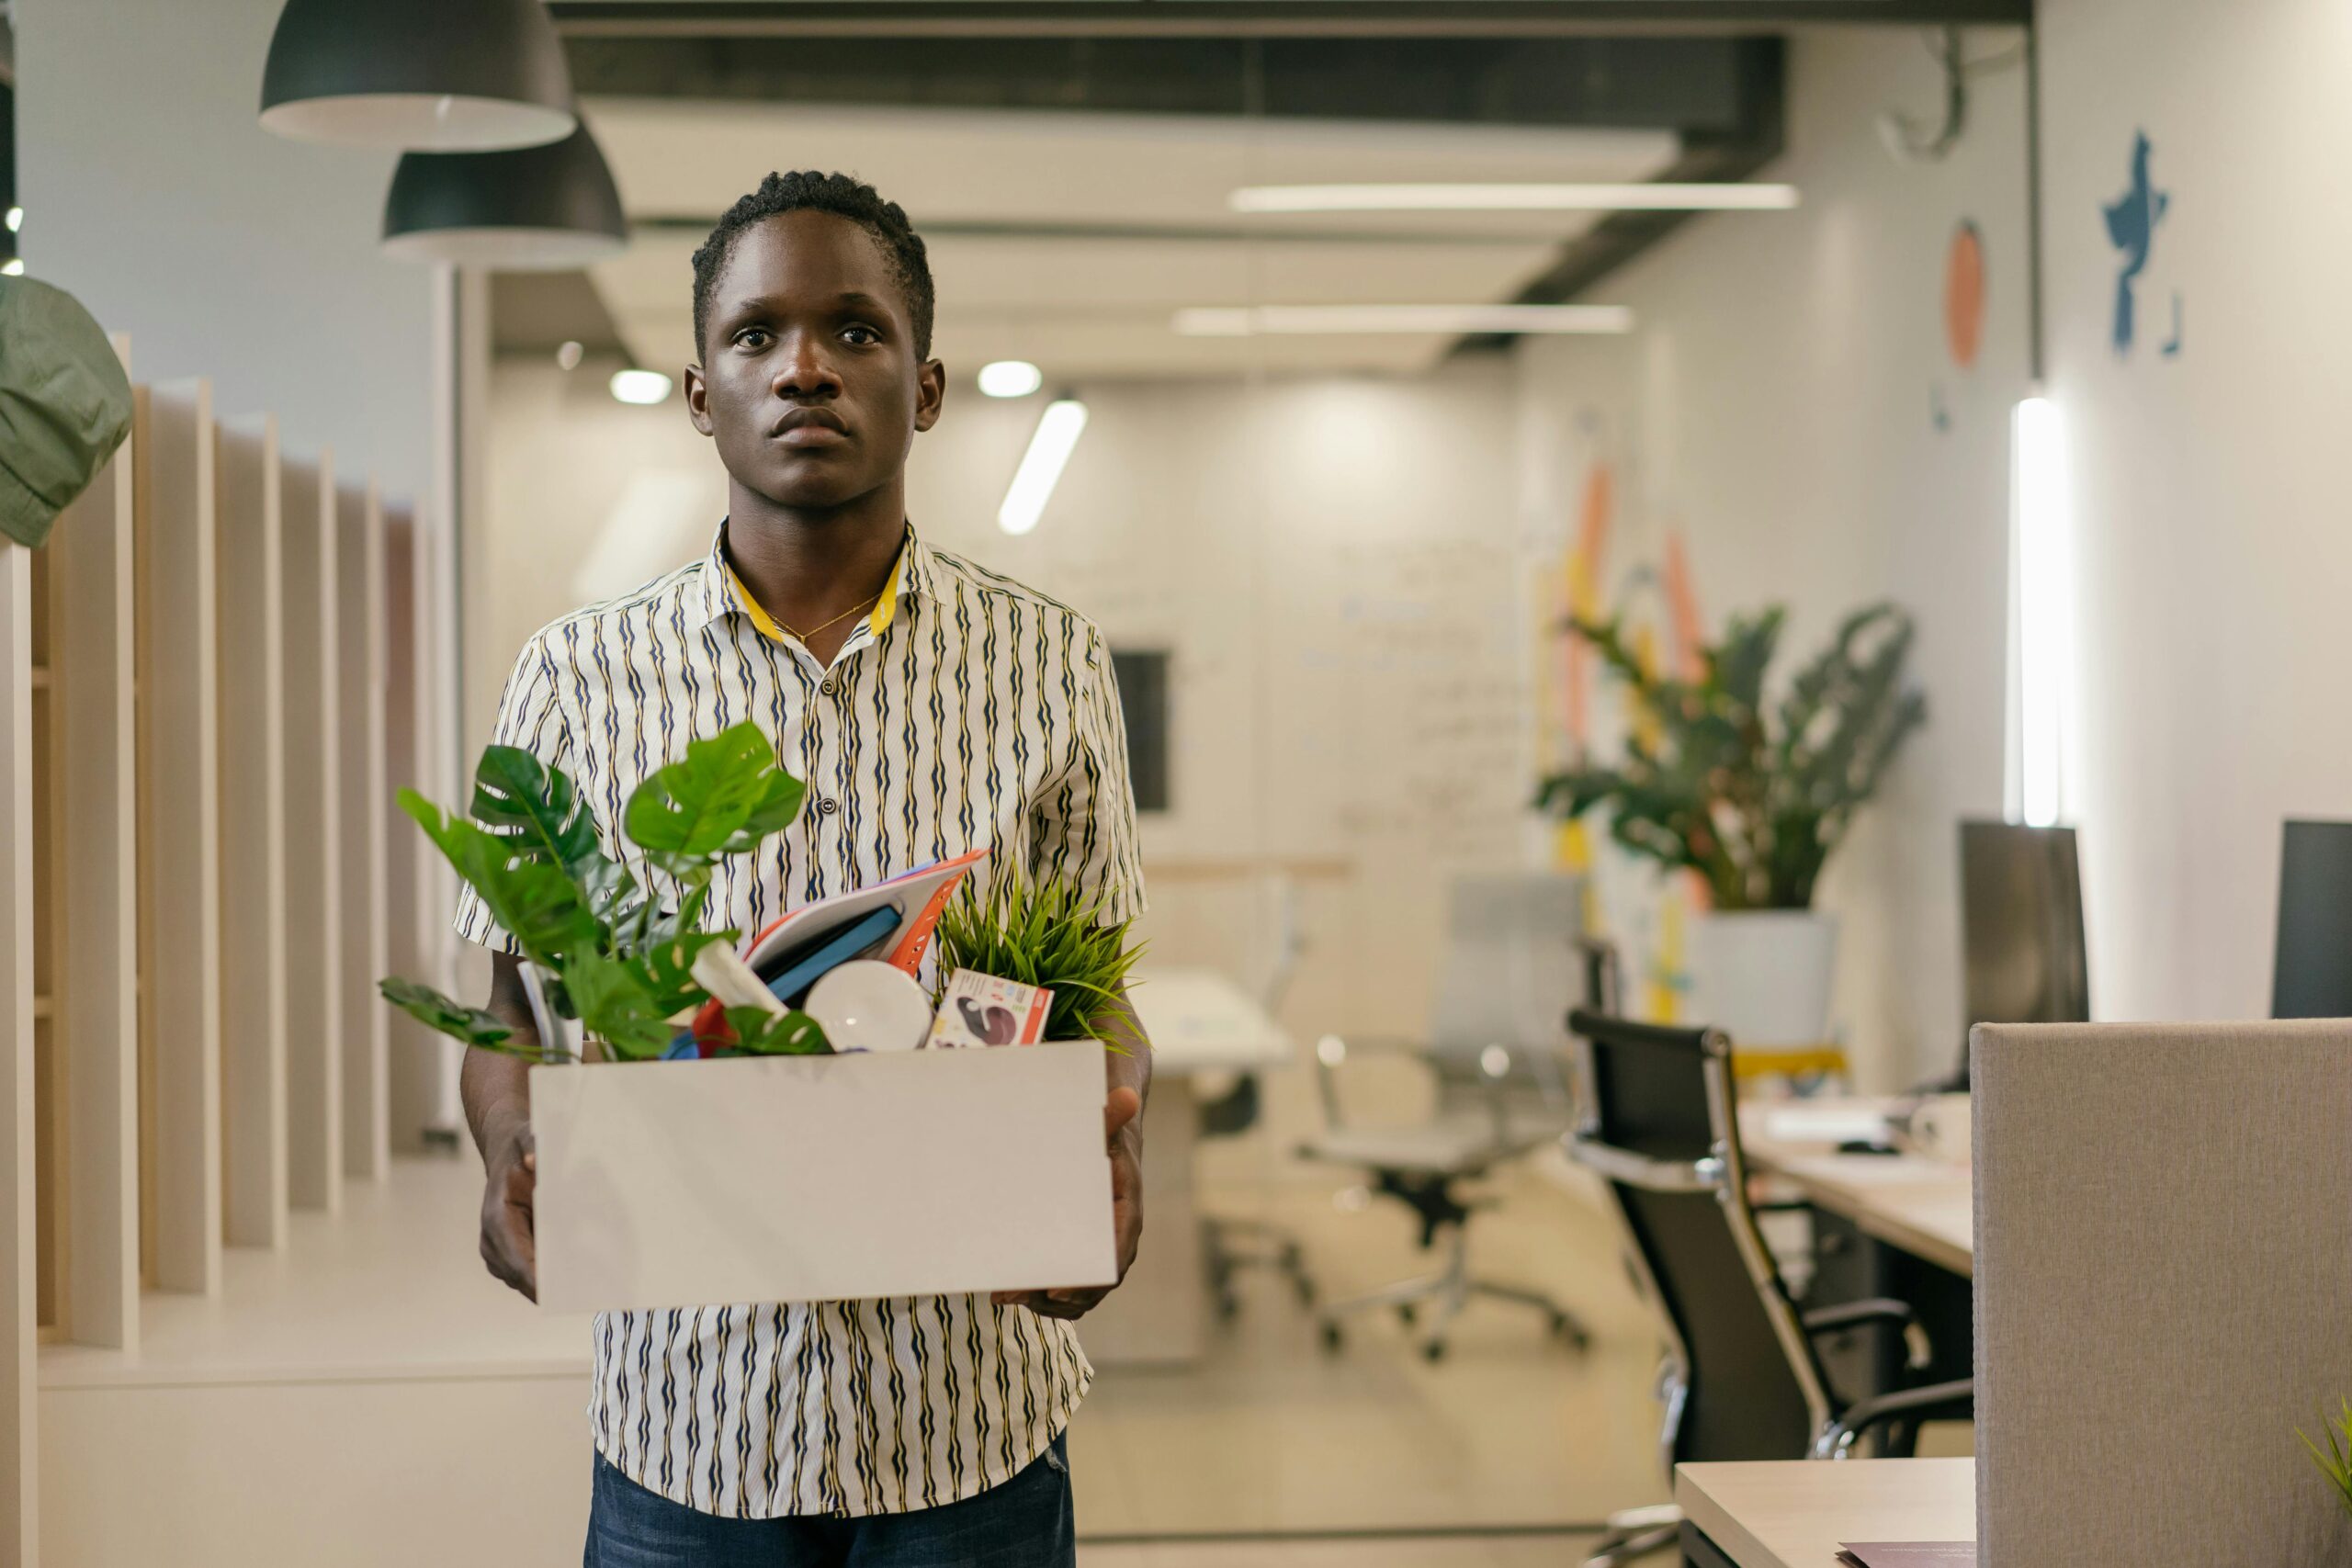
<point x="861" y="335"/>
<point x="745" y="339"/>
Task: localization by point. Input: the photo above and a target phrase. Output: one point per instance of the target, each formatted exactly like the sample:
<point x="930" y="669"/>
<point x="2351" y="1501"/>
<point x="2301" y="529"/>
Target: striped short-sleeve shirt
<point x="965" y="710"/>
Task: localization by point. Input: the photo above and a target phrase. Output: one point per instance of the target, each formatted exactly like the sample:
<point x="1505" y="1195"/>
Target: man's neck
<point x="806" y="569"/>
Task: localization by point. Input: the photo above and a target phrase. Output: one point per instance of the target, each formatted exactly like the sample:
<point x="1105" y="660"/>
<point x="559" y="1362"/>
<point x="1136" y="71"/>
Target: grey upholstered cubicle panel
<point x="2164" y="1290"/>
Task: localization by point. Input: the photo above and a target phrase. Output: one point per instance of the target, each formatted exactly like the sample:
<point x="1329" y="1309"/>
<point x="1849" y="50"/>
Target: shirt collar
<point x="723" y="594"/>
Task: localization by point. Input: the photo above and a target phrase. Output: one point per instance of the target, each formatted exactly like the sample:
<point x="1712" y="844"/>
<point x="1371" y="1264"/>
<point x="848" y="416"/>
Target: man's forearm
<point x="494" y="1087"/>
<point x="1130" y="1064"/>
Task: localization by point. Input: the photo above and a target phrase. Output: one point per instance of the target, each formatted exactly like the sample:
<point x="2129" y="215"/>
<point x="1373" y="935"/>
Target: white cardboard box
<point x="782" y="1178"/>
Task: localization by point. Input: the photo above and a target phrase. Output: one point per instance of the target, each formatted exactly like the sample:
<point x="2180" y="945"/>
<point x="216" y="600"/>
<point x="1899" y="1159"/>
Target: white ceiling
<point x="1100" y="305"/>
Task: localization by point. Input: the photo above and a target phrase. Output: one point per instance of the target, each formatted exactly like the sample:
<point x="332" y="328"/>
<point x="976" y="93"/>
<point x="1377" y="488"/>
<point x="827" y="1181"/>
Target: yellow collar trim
<point x="884" y="608"/>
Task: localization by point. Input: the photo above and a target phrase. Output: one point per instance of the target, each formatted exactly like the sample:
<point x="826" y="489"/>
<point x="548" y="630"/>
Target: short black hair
<point x="805" y="190"/>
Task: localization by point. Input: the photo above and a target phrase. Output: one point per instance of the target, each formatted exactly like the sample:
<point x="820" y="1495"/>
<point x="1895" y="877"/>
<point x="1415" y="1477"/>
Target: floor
<point x="1272" y="1451"/>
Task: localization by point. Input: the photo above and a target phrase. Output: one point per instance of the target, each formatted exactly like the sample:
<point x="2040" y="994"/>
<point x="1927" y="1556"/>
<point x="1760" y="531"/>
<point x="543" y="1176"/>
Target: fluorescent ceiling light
<point x="641" y="386"/>
<point x="1642" y="197"/>
<point x="1009" y="378"/>
<point x="1041" y="466"/>
<point x="16" y="219"/>
<point x="14" y="268"/>
<point x="1252" y="321"/>
<point x="568" y="354"/>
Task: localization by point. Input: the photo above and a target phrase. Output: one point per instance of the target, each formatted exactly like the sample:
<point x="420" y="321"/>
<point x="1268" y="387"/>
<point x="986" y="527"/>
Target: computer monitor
<point x="2021" y="899"/>
<point x="2312" y="975"/>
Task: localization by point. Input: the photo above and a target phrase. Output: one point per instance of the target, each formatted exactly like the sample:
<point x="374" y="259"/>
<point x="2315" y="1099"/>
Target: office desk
<point x="1199" y="1022"/>
<point x="1924" y="1206"/>
<point x="1794" y="1514"/>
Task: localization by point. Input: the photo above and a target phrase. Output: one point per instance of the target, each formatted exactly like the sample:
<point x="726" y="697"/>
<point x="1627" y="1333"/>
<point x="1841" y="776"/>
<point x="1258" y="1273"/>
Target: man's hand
<point x="510" y="1248"/>
<point x="1125" y="1135"/>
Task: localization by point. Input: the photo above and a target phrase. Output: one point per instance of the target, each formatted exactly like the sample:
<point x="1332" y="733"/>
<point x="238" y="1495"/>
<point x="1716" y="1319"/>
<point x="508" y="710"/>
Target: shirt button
<point x="828" y="688"/>
<point x="827" y="806"/>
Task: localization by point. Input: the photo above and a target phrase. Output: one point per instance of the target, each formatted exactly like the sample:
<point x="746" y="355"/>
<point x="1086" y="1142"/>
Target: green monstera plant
<point x="1752" y="795"/>
<point x="619" y="956"/>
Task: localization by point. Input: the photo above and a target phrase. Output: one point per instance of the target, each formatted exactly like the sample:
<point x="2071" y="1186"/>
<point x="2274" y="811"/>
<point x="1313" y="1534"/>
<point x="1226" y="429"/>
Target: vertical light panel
<point x="359" y="814"/>
<point x="2042" y="548"/>
<point x="313" y="847"/>
<point x="96" y="905"/>
<point x="251" y="620"/>
<point x="179" y="861"/>
<point x="19" y="1304"/>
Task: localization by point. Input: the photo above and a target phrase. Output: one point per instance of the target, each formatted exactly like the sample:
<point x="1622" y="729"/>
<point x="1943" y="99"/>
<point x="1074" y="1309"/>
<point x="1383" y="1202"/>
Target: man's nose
<point x="805" y="369"/>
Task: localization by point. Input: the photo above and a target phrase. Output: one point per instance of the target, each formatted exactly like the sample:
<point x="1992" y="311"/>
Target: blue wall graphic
<point x="2132" y="228"/>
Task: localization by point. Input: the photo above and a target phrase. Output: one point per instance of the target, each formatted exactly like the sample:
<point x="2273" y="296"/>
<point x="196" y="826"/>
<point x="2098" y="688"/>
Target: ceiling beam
<point x="700" y="224"/>
<point x="1245" y="18"/>
<point x="1685" y="85"/>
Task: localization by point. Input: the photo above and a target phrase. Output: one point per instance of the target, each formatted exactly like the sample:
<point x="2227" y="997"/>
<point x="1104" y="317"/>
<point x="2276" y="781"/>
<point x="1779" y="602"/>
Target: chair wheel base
<point x="1333" y="1341"/>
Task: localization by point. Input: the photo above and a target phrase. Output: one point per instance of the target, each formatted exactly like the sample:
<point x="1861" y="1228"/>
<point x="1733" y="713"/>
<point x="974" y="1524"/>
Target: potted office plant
<point x="2334" y="1460"/>
<point x="1753" y="795"/>
<point x="608" y="952"/>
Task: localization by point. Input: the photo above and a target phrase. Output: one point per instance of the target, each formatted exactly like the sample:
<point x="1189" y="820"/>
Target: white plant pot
<point x="1762" y="976"/>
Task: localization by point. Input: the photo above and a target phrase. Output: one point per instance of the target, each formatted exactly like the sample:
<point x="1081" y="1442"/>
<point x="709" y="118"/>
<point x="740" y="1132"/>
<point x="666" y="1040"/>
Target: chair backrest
<point x="2161" y="1277"/>
<point x="1511" y="970"/>
<point x="1661" y="1127"/>
<point x="2312" y="976"/>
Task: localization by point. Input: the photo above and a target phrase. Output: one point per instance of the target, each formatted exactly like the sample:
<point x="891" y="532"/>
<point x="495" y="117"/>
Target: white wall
<point x="1775" y="406"/>
<point x="150" y="193"/>
<point x="1332" y="563"/>
<point x="2208" y="488"/>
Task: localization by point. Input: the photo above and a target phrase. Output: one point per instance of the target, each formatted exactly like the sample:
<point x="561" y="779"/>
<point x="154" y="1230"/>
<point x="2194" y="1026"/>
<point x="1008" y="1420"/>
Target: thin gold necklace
<point x="800" y="636"/>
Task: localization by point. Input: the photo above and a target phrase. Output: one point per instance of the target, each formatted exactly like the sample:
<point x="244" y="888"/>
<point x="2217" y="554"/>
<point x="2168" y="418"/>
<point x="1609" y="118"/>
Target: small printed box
<point x="981" y="1009"/>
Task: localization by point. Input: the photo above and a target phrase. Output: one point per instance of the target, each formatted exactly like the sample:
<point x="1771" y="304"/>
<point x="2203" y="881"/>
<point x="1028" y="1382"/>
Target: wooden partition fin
<point x="412" y="1068"/>
<point x="20" y="1306"/>
<point x="251" y="676"/>
<point x="96" y="918"/>
<point x="179" y="861"/>
<point x="359" y="815"/>
<point x="313" y="853"/>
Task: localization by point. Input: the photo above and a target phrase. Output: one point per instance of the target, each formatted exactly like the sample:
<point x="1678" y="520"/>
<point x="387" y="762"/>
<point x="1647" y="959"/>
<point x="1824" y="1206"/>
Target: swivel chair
<point x="1743" y="1378"/>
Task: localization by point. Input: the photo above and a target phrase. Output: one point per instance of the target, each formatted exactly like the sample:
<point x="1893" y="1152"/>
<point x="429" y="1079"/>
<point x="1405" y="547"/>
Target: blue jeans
<point x="1024" y="1523"/>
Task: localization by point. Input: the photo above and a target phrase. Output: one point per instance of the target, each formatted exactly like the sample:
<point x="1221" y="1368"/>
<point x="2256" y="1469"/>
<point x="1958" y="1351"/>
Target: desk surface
<point x="1795" y="1514"/>
<point x="1924" y="1206"/>
<point x="1201" y="1021"/>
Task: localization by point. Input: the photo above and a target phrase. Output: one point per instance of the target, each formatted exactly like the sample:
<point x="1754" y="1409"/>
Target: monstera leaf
<point x="615" y="1007"/>
<point x="533" y="807"/>
<point x="724" y="797"/>
<point x="430" y="1007"/>
<point x="535" y="901"/>
<point x="762" y="1033"/>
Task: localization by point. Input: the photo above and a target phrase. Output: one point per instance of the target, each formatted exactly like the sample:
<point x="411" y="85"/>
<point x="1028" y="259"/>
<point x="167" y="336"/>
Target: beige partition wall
<point x="251" y="683"/>
<point x="412" y="1094"/>
<point x="93" y="922"/>
<point x="179" y="859"/>
<point x="359" y="810"/>
<point x="20" y="1301"/>
<point x="314" y="851"/>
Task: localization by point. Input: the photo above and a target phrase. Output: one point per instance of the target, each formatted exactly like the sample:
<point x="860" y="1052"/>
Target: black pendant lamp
<point x="531" y="209"/>
<point x="450" y="75"/>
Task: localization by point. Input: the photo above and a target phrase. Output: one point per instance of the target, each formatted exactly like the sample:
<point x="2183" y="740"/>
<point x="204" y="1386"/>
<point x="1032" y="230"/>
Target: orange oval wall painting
<point x="1964" y="294"/>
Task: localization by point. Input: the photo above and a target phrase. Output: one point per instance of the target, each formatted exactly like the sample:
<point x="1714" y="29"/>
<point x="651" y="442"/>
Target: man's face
<point x="809" y="382"/>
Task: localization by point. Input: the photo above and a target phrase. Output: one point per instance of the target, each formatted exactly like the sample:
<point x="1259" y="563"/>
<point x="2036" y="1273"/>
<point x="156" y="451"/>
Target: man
<point x="931" y="706"/>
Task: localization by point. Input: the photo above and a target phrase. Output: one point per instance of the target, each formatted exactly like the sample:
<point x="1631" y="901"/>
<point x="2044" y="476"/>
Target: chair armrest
<point x="1874" y="1308"/>
<point x="1935" y="1402"/>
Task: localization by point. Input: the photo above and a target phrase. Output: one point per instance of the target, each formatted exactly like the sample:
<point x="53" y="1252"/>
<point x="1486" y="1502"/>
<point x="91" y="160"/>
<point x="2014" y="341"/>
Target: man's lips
<point x="810" y="427"/>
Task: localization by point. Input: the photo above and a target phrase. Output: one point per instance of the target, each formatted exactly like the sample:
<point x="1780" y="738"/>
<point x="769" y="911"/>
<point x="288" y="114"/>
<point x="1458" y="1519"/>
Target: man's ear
<point x="931" y="393"/>
<point x="697" y="397"/>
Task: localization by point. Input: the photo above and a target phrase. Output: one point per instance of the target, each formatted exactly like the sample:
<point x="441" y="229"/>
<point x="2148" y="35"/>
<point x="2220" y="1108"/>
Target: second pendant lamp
<point x="532" y="209"/>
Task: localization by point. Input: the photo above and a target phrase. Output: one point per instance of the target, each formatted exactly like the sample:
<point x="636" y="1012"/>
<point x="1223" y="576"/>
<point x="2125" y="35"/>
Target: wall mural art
<point x="1661" y="602"/>
<point x="2131" y="222"/>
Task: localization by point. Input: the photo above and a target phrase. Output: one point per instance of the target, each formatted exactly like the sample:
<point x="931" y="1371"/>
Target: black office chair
<point x="1743" y="1378"/>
